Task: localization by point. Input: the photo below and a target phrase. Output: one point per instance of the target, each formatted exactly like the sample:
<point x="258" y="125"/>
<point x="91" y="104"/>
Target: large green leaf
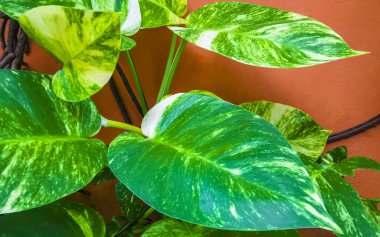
<point x="169" y="228"/>
<point x="60" y="219"/>
<point x="87" y="43"/>
<point x="44" y="152"/>
<point x="129" y="203"/>
<point x="130" y="19"/>
<point x="263" y="36"/>
<point x="301" y="131"/>
<point x="156" y="13"/>
<point x="213" y="163"/>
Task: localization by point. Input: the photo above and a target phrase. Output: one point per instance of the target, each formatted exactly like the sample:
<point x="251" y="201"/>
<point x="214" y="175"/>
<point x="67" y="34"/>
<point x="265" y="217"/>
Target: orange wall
<point x="338" y="95"/>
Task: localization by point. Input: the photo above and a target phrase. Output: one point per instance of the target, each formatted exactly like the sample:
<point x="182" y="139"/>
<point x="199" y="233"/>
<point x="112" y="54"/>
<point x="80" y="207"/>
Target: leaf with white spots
<point x="44" y="150"/>
<point x="301" y="131"/>
<point x="169" y="228"/>
<point x="130" y="16"/>
<point x="129" y="203"/>
<point x="212" y="163"/>
<point x="59" y="219"/>
<point x="156" y="13"/>
<point x="87" y="43"/>
<point x="342" y="201"/>
<point x="263" y="36"/>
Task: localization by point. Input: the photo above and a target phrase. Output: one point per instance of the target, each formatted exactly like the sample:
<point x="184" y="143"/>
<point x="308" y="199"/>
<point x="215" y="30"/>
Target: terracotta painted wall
<point x="338" y="95"/>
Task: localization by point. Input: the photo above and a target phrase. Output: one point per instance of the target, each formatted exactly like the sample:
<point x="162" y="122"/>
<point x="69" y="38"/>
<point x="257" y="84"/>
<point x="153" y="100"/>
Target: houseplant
<point x="197" y="122"/>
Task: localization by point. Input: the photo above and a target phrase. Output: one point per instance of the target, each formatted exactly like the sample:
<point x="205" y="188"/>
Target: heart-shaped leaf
<point x="87" y="43"/>
<point x="130" y="19"/>
<point x="44" y="151"/>
<point x="263" y="36"/>
<point x="60" y="219"/>
<point x="156" y="13"/>
<point x="212" y="163"/>
<point x="301" y="131"/>
<point x="169" y="227"/>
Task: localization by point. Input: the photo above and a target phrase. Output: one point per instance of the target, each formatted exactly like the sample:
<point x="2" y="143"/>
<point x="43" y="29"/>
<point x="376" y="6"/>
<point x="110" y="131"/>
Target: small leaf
<point x="157" y="13"/>
<point x="87" y="43"/>
<point x="130" y="19"/>
<point x="212" y="163"/>
<point x="127" y="43"/>
<point x="301" y="131"/>
<point x="263" y="36"/>
<point x="59" y="219"/>
<point x="169" y="227"/>
<point x="347" y="167"/>
<point x="129" y="203"/>
<point x="44" y="151"/>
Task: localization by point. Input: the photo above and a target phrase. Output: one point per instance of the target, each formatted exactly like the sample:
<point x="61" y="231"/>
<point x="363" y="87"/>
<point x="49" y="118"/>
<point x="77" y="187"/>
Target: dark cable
<point x="355" y="130"/>
<point x="119" y="101"/>
<point x="129" y="88"/>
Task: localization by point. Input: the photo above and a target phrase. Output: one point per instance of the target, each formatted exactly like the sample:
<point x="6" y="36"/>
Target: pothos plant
<point x="209" y="167"/>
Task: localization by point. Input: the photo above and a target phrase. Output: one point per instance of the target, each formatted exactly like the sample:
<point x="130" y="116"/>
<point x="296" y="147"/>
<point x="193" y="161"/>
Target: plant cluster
<point x="211" y="168"/>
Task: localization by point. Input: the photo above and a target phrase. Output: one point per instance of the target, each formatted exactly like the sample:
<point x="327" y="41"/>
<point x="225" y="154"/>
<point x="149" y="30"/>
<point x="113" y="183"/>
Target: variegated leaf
<point x="60" y="219"/>
<point x="340" y="198"/>
<point x="263" y="36"/>
<point x="169" y="228"/>
<point x="44" y="151"/>
<point x="130" y="19"/>
<point x="301" y="131"/>
<point x="345" y="206"/>
<point x="337" y="160"/>
<point x="129" y="203"/>
<point x="200" y="163"/>
<point x="371" y="207"/>
<point x="156" y="13"/>
<point x="87" y="43"/>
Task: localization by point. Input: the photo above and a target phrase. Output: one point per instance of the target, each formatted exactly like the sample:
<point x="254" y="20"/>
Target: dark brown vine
<point x="13" y="42"/>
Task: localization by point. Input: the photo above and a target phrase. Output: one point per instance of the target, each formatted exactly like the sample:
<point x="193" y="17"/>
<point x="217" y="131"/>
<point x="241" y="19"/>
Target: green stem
<point x="173" y="68"/>
<point x="167" y="69"/>
<point x="114" y="124"/>
<point x="140" y="91"/>
<point x="146" y="214"/>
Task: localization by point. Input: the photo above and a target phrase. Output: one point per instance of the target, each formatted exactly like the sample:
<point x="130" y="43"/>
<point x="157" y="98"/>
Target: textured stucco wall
<point x="337" y="95"/>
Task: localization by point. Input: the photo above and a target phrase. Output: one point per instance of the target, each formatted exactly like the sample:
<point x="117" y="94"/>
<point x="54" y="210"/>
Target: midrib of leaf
<point x="244" y="35"/>
<point x="42" y="138"/>
<point x="205" y="160"/>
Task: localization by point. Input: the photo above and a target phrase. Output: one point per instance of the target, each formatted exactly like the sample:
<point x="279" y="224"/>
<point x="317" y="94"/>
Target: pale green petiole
<point x="114" y="124"/>
<point x="140" y="91"/>
<point x="173" y="68"/>
<point x="161" y="93"/>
